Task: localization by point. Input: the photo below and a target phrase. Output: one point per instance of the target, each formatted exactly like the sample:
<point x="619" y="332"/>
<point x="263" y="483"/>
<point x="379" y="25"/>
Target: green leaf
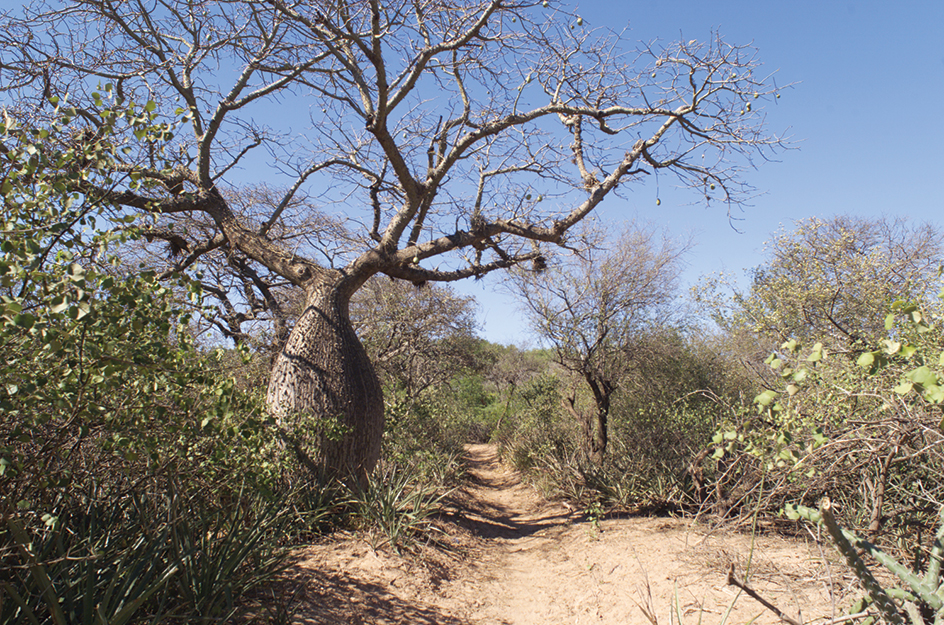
<point x="766" y="398"/>
<point x="934" y="393"/>
<point x="25" y="320"/>
<point x="866" y="360"/>
<point x="922" y="376"/>
<point x="904" y="388"/>
<point x="79" y="310"/>
<point x="58" y="304"/>
<point x="889" y="321"/>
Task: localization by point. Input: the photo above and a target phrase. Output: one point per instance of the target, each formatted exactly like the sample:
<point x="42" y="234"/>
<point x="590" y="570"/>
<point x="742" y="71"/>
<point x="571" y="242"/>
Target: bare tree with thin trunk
<point x="592" y="308"/>
<point x="456" y="137"/>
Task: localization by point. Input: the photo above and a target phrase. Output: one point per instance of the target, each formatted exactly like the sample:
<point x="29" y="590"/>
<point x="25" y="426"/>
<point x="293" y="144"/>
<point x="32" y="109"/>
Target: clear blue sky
<point x="865" y="115"/>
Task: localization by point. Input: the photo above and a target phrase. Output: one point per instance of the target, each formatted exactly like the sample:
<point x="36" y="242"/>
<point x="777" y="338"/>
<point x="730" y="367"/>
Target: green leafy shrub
<point x="861" y="427"/>
<point x="418" y="436"/>
<point x="136" y="476"/>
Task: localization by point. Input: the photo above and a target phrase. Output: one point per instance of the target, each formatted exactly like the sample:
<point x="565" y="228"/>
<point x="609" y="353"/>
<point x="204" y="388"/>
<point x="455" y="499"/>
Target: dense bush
<point x="837" y="411"/>
<point x="863" y="429"/>
<point x="668" y="405"/>
<point x="138" y="480"/>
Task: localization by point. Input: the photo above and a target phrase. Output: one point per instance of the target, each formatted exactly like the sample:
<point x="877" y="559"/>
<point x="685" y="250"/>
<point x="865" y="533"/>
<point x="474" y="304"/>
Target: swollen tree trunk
<point x="323" y="390"/>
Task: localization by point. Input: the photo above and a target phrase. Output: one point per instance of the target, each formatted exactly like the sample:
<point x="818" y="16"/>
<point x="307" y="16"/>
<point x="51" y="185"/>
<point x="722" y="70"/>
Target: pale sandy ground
<point x="518" y="560"/>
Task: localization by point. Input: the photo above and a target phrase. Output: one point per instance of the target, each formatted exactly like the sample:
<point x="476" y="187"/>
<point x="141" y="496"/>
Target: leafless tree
<point x="593" y="307"/>
<point x="458" y="137"/>
<point x="417" y="337"/>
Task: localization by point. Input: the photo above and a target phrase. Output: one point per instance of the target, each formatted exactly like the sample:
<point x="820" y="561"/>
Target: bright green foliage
<point x="97" y="358"/>
<point x="862" y="427"/>
<point x="109" y="410"/>
<point x="846" y="404"/>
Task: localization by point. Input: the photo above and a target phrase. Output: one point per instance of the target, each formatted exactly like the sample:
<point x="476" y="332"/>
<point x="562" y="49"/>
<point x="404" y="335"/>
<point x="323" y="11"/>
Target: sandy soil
<point x="515" y="559"/>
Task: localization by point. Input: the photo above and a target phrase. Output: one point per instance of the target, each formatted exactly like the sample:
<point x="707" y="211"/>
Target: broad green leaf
<point x="58" y="304"/>
<point x="922" y="376"/>
<point x="934" y="393"/>
<point x="25" y="320"/>
<point x="817" y="354"/>
<point x="766" y="398"/>
<point x="904" y="388"/>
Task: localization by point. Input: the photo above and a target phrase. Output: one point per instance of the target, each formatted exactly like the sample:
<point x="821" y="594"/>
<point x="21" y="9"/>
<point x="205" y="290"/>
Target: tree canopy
<point x="453" y="138"/>
<point x="833" y="280"/>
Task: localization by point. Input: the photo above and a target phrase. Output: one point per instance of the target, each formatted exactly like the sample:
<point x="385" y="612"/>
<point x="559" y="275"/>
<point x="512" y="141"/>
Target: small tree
<point x="593" y="307"/>
<point x="459" y="136"/>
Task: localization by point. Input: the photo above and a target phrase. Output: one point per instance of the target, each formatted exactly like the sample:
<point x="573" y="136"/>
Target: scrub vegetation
<point x="200" y="376"/>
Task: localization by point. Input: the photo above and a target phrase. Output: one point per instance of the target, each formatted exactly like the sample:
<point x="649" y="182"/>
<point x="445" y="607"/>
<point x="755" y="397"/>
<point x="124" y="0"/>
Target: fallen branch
<point x="733" y="581"/>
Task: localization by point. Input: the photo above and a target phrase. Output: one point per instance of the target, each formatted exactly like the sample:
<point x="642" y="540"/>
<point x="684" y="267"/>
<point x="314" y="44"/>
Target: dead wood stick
<point x="733" y="581"/>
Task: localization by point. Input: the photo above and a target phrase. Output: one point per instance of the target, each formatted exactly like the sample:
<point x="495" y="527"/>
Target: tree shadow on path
<point x="336" y="597"/>
<point x="497" y="504"/>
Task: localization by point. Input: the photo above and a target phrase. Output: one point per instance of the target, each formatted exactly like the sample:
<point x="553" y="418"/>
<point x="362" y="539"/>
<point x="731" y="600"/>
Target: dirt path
<point x="518" y="560"/>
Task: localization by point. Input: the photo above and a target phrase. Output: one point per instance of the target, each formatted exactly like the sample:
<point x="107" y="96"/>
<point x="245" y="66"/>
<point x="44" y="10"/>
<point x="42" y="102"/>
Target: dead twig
<point x="734" y="581"/>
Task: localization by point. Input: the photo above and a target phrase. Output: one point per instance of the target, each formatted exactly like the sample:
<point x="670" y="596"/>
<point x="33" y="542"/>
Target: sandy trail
<point x="519" y="560"/>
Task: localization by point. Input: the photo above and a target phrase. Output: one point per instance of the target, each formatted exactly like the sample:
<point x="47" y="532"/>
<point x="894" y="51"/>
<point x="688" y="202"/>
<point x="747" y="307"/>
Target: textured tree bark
<point x="323" y="390"/>
<point x="602" y="390"/>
